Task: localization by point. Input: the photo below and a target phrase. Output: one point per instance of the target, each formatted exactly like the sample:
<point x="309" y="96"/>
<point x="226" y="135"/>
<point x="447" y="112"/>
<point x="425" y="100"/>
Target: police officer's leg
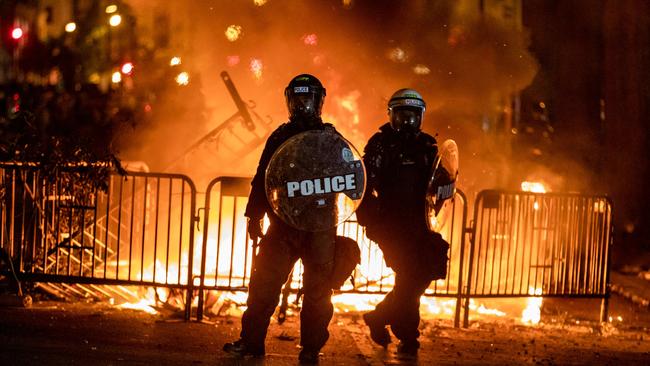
<point x="405" y="318"/>
<point x="272" y="266"/>
<point x="378" y="319"/>
<point x="317" y="309"/>
<point x="384" y="309"/>
<point x="395" y="258"/>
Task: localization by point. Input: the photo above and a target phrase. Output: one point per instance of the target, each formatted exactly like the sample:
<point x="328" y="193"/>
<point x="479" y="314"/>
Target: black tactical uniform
<point x="398" y="164"/>
<point x="283" y="245"/>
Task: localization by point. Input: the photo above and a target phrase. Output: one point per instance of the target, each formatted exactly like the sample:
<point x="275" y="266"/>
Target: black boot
<point x="241" y="348"/>
<point x="378" y="331"/>
<point x="408" y="350"/>
<point x="308" y="357"/>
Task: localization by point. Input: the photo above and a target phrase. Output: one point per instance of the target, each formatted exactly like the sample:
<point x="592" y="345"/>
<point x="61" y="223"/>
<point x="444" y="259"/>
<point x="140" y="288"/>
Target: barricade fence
<point x="543" y="244"/>
<point x="228" y="252"/>
<point x="145" y="229"/>
<point x="138" y="231"/>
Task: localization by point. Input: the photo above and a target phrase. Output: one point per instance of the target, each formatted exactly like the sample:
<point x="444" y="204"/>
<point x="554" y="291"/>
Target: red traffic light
<point x="17" y="33"/>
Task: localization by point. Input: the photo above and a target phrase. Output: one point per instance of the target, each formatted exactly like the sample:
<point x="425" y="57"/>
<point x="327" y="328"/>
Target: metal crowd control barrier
<point x="540" y="244"/>
<point x="137" y="232"/>
<point x="141" y="231"/>
<point x="228" y="253"/>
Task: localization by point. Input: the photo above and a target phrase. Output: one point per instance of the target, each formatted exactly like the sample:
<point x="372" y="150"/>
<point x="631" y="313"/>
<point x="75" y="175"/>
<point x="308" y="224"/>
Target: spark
<point x="183" y="78"/>
<point x="232" y="60"/>
<point x="233" y="32"/>
<point x="175" y="61"/>
<point x="256" y="67"/>
<point x="310" y="39"/>
<point x="420" y="69"/>
<point x="397" y="55"/>
<point x="260" y="2"/>
<point x="111" y="9"/>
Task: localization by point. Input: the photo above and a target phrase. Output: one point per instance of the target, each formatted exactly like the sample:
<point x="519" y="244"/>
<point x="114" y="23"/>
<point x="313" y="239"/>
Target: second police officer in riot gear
<point x="398" y="162"/>
<point x="283" y="245"/>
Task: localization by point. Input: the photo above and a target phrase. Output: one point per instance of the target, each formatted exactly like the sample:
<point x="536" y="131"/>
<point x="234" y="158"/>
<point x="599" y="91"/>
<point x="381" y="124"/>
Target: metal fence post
<point x="459" y="294"/>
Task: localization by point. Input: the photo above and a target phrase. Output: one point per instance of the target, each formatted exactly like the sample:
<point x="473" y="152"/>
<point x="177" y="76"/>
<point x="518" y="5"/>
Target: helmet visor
<point x="305" y="104"/>
<point x="407" y="119"/>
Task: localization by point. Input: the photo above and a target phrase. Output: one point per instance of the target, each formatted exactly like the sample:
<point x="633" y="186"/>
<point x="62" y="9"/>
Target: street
<point x="56" y="333"/>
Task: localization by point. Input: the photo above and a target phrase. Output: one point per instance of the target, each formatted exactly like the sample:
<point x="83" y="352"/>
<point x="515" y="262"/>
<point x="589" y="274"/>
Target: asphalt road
<point x="55" y="333"/>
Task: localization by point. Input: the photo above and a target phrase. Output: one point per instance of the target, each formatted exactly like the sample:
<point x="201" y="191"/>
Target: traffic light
<point x="17" y="33"/>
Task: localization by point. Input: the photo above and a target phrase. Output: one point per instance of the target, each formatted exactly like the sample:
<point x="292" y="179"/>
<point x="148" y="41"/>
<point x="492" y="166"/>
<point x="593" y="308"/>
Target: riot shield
<point x="315" y="180"/>
<point x="442" y="186"/>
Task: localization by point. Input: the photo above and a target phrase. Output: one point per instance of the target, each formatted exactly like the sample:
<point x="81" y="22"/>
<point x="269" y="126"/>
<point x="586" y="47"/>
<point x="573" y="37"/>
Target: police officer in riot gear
<point x="398" y="162"/>
<point x="283" y="245"/>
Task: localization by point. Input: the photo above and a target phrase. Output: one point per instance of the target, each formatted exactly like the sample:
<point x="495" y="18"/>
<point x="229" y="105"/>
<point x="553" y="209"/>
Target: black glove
<point x="255" y="226"/>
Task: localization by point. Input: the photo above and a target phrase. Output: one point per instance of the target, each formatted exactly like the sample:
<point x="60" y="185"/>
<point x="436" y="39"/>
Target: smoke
<point x="464" y="62"/>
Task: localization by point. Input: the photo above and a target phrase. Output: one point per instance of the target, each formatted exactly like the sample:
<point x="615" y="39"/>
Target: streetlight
<point x="70" y="27"/>
<point x="116" y="77"/>
<point x="115" y="20"/>
<point x="127" y="68"/>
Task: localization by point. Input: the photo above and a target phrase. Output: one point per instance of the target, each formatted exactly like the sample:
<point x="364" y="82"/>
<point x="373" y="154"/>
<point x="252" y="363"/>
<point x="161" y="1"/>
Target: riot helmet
<point x="304" y="95"/>
<point x="406" y="111"/>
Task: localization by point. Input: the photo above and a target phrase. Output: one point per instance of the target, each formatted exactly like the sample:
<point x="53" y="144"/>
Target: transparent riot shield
<point x="315" y="180"/>
<point x="442" y="186"/>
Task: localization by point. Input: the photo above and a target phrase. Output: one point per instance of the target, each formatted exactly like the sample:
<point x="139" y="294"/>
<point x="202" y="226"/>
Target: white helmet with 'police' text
<point x="406" y="110"/>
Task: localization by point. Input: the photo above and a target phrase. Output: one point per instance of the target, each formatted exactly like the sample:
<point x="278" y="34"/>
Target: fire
<point x="346" y="117"/>
<point x="481" y="309"/>
<point x="142" y="305"/>
<point x="146" y="304"/>
<point x="355" y="302"/>
<point x="228" y="262"/>
<point x="535" y="187"/>
<point x="532" y="314"/>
